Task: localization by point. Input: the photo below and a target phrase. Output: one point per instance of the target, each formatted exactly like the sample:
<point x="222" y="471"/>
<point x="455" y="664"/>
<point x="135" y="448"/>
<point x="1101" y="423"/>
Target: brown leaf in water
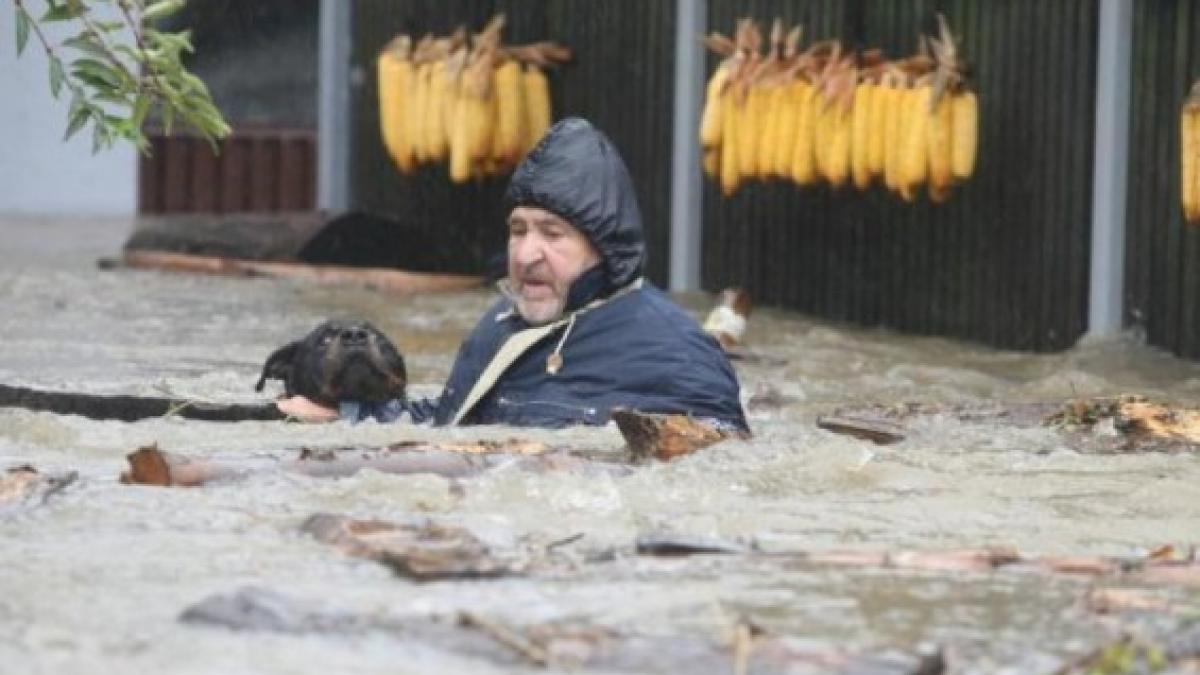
<point x="147" y="466"/>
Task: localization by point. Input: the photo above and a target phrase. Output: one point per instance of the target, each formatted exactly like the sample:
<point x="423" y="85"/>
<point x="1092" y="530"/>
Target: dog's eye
<point x="326" y="339"/>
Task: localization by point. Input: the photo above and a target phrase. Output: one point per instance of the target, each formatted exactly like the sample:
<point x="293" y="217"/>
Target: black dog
<point x="339" y="360"/>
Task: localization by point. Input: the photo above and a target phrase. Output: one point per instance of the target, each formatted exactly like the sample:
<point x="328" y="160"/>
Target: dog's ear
<point x="278" y="365"/>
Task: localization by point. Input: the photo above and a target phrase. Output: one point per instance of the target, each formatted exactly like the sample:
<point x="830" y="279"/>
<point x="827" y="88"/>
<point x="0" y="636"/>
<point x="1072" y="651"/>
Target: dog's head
<point x="339" y="360"/>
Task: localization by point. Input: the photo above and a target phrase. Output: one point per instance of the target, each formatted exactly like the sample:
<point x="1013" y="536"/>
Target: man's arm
<point x="306" y="410"/>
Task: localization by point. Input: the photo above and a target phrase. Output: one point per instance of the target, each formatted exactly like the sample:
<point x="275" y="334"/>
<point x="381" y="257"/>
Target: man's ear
<point x="278" y="365"/>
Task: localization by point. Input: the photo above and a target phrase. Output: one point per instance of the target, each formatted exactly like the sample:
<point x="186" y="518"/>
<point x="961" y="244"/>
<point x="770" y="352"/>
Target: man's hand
<point x="305" y="410"/>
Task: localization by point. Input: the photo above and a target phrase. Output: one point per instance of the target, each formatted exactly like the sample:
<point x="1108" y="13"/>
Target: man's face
<point x="546" y="254"/>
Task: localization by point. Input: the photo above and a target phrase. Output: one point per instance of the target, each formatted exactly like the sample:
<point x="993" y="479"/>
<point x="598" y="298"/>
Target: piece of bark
<point x="423" y="552"/>
<point x="151" y="466"/>
<point x="131" y="408"/>
<point x="664" y="437"/>
<point x="879" y="432"/>
<point x="393" y="281"/>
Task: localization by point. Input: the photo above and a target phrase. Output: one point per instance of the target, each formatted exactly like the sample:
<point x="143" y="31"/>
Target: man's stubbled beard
<point x="536" y="312"/>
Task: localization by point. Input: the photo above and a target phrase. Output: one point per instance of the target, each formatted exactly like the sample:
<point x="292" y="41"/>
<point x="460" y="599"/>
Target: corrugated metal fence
<point x="1005" y="260"/>
<point x="1162" y="271"/>
<point x="620" y="80"/>
<point x="266" y="170"/>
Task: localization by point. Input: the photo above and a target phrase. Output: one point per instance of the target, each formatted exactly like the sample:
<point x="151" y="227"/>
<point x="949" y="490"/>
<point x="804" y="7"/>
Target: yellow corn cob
<point x="537" y="103"/>
<point x="730" y="175"/>
<point x="710" y="119"/>
<point x="435" y="122"/>
<point x="941" y="147"/>
<point x="750" y="124"/>
<point x="822" y="111"/>
<point x="803" y="166"/>
<point x="966" y="134"/>
<point x="460" y="135"/>
<point x="420" y="112"/>
<point x="915" y="144"/>
<point x="877" y="136"/>
<point x="1189" y="146"/>
<point x="768" y="140"/>
<point x="481" y="110"/>
<point x="860" y="141"/>
<point x="510" y="113"/>
<point x="839" y="135"/>
<point x="897" y="119"/>
<point x="789" y="117"/>
<point x="394" y="75"/>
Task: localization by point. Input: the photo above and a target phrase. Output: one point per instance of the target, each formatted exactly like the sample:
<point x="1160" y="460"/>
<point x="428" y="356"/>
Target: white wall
<point x="39" y="173"/>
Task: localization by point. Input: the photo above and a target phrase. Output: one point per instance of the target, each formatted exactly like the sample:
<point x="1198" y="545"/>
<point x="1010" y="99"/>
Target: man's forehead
<point x="536" y="214"/>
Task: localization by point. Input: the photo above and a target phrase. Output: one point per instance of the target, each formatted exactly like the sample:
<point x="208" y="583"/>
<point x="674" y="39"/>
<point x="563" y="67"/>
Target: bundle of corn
<point x="833" y="115"/>
<point x="1189" y="147"/>
<point x="467" y="100"/>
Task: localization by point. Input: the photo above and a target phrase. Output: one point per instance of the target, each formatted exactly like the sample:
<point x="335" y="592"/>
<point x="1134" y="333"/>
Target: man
<point x="578" y="332"/>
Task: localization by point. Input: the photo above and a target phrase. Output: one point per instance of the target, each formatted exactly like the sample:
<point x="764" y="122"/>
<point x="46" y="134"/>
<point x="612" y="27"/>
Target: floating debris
<point x="877" y="431"/>
<point x="423" y="552"/>
<point x="661" y="544"/>
<point x="23" y="487"/>
<point x="1138" y="424"/>
<point x="665" y="437"/>
<point x="130" y="408"/>
<point x="151" y="466"/>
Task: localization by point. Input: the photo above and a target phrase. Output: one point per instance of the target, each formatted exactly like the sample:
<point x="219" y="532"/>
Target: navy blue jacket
<point x="637" y="350"/>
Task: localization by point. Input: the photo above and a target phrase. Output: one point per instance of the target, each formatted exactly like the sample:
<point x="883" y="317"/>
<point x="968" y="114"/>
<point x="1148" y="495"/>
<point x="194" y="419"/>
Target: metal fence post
<point x="333" y="106"/>
<point x="1111" y="167"/>
<point x="685" y="155"/>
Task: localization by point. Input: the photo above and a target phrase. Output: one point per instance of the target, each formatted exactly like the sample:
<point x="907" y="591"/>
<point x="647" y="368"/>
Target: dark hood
<point x="576" y="172"/>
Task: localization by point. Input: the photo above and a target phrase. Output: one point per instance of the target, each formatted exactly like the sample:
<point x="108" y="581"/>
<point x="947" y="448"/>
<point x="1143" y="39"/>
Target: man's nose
<point x="527" y="250"/>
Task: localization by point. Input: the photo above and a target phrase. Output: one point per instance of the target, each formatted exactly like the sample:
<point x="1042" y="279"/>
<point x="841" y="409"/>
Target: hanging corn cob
<point x="395" y="92"/>
<point x="1189" y="146"/>
<point x="832" y="115"/>
<point x="466" y="100"/>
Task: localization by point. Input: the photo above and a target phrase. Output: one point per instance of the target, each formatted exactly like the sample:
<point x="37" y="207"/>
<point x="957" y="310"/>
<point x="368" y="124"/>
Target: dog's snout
<point x="354" y="336"/>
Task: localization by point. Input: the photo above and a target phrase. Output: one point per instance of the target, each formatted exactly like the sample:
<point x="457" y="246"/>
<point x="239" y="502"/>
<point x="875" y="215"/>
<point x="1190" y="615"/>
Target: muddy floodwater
<point x="95" y="580"/>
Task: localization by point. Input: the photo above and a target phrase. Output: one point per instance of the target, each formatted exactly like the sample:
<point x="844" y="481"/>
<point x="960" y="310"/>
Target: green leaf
<point x="100" y="138"/>
<point x="22" y="30"/>
<point x="161" y="9"/>
<point x="76" y="117"/>
<point x="64" y="12"/>
<point x="56" y="76"/>
<point x="141" y="108"/>
<point x="98" y="73"/>
<point x="87" y="43"/>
